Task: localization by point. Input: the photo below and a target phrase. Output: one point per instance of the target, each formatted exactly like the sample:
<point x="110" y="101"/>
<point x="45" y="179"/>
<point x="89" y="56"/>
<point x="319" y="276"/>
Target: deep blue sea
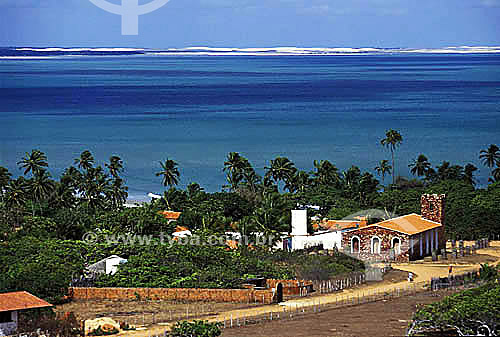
<point x="195" y="108"/>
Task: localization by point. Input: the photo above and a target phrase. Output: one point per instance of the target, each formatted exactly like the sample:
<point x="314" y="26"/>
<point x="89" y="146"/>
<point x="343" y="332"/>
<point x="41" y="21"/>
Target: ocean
<point x="197" y="105"/>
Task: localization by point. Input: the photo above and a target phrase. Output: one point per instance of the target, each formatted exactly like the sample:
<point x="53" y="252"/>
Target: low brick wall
<point x="291" y="287"/>
<point x="265" y="296"/>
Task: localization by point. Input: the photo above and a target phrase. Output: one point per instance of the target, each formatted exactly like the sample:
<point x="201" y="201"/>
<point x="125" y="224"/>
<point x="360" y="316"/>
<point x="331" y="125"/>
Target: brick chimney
<point x="432" y="207"/>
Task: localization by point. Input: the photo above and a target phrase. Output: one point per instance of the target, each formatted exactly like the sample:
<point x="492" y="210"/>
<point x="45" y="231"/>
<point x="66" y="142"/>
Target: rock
<point x="107" y="324"/>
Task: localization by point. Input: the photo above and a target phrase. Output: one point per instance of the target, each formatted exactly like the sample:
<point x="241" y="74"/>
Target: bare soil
<point x="378" y="319"/>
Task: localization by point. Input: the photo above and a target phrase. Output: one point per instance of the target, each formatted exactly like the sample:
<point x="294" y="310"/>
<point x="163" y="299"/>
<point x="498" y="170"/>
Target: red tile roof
<point x="408" y="224"/>
<point x="21" y="300"/>
<point x="170" y="215"/>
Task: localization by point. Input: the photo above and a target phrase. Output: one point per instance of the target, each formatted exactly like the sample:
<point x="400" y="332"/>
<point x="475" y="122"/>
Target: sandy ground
<point x="423" y="271"/>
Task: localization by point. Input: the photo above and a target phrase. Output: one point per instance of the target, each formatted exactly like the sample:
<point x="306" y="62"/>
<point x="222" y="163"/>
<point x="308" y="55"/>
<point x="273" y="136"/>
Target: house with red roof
<point x="405" y="238"/>
<point x="10" y="305"/>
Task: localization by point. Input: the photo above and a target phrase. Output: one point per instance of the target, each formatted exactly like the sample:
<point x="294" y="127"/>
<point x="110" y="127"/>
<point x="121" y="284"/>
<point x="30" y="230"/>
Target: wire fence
<point x="252" y="314"/>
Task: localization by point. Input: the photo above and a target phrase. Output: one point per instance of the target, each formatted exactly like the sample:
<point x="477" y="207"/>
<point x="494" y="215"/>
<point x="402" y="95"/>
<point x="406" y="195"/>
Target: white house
<point x="11" y="304"/>
<point x="300" y="239"/>
<point x="108" y="265"/>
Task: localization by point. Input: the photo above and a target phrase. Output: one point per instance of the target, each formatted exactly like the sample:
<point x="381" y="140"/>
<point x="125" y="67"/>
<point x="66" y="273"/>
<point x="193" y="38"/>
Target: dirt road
<point x="423" y="272"/>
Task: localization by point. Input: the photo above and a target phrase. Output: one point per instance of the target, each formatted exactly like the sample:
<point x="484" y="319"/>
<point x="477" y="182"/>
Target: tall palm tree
<point x="392" y="140"/>
<point x="86" y="160"/>
<point x="4" y="180"/>
<point x="383" y="168"/>
<point x="117" y="193"/>
<point x="491" y="156"/>
<point x="420" y="166"/>
<point x="281" y="169"/>
<point x="235" y="166"/>
<point x="170" y="172"/>
<point x="33" y="162"/>
<point x="40" y="187"/>
<point x="115" y="166"/>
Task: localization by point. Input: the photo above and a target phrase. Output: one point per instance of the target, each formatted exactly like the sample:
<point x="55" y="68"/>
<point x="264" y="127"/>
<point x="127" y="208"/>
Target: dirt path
<point x="424" y="272"/>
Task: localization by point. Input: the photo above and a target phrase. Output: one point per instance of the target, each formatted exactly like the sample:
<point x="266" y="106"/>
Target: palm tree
<point x="33" y="162"/>
<point x="491" y="156"/>
<point x="4" y="180"/>
<point x="15" y="196"/>
<point x="117" y="193"/>
<point x="170" y="172"/>
<point x="281" y="169"/>
<point x="115" y="166"/>
<point x="299" y="182"/>
<point x="40" y="186"/>
<point x="468" y="174"/>
<point x="326" y="173"/>
<point x="496" y="175"/>
<point x="383" y="168"/>
<point x="420" y="166"/>
<point x="392" y="140"/>
<point x="235" y="166"/>
<point x="86" y="160"/>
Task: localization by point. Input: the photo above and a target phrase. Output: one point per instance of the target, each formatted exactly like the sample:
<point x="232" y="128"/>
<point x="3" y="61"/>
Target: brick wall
<point x="365" y="236"/>
<point x="265" y="296"/>
<point x="433" y="208"/>
<point x="291" y="287"/>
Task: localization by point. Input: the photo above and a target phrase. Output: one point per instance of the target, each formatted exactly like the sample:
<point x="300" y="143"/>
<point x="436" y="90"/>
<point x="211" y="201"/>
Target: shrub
<point x="196" y="329"/>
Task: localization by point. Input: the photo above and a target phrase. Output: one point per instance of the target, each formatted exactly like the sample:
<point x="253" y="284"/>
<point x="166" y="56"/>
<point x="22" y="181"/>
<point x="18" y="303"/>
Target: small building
<point x="108" y="265"/>
<point x="405" y="238"/>
<point x="329" y="236"/>
<point x="10" y="305"/>
<point x="170" y="215"/>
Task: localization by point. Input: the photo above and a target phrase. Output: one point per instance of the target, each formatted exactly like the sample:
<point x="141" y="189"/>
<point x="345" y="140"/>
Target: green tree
<point x="469" y="170"/>
<point x="235" y="167"/>
<point x="326" y="174"/>
<point x="491" y="156"/>
<point x="4" y="180"/>
<point x="281" y="169"/>
<point x="383" y="168"/>
<point x="392" y="140"/>
<point x="85" y="161"/>
<point x="40" y="186"/>
<point x="115" y="166"/>
<point x="420" y="166"/>
<point x="33" y="162"/>
<point x="15" y="196"/>
<point x="170" y="173"/>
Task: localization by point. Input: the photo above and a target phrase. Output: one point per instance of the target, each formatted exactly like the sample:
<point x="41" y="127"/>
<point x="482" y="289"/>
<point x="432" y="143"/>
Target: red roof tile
<point x="21" y="300"/>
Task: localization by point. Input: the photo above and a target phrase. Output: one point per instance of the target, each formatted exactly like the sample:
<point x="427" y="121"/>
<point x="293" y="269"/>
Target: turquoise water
<point x="196" y="109"/>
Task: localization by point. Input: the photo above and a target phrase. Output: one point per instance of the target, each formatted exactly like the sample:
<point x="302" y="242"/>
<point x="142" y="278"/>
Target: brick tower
<point x="433" y="208"/>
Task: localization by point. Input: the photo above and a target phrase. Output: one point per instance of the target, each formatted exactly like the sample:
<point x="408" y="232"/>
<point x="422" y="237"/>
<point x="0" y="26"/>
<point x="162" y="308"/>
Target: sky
<point x="256" y="23"/>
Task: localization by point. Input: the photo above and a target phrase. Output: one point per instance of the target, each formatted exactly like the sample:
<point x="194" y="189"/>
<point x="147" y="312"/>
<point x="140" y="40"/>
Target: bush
<point x="469" y="311"/>
<point x="196" y="329"/>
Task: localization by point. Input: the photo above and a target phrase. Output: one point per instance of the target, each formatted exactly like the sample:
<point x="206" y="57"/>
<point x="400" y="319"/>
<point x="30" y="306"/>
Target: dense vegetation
<point x="472" y="312"/>
<point x="42" y="219"/>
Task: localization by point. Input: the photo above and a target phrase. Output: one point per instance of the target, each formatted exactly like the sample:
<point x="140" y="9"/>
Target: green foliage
<point x="43" y="268"/>
<point x="190" y="266"/>
<point x="196" y="328"/>
<point x="465" y="311"/>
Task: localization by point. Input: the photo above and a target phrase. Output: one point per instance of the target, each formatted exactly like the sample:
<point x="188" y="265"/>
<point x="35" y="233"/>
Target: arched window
<point x="396" y="245"/>
<point x="376" y="245"/>
<point x="355" y="245"/>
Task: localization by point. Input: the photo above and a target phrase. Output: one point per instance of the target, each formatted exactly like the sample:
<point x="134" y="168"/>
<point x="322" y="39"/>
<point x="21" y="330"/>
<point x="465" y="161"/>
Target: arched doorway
<point x="375" y="245"/>
<point x="355" y="244"/>
<point x="396" y="245"/>
<point x="279" y="292"/>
